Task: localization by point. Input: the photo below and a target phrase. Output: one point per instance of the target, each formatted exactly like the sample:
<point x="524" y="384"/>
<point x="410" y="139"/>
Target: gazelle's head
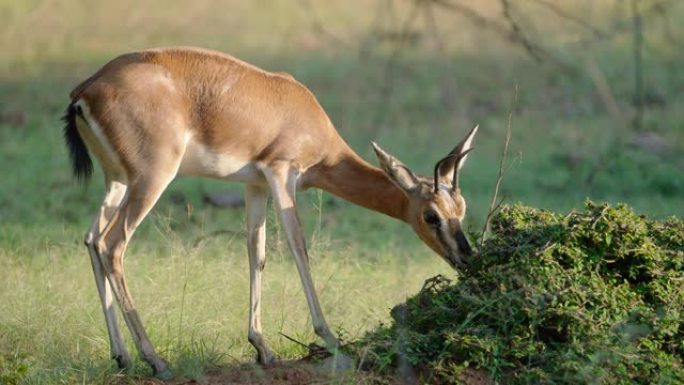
<point x="436" y="207"/>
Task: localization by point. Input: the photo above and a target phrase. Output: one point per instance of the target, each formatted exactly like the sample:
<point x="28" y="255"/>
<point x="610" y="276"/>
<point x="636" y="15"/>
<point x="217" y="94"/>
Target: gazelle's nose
<point x="463" y="245"/>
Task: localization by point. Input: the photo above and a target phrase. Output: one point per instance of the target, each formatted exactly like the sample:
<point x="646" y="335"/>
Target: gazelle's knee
<point x="109" y="257"/>
<point x="94" y="241"/>
<point x="255" y="338"/>
<point x="89" y="239"/>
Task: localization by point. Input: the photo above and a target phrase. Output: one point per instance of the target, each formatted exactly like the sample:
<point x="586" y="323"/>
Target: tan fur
<point x="229" y="107"/>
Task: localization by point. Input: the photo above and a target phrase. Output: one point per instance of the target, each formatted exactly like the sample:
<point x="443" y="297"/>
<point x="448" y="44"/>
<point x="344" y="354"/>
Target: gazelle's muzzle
<point x="463" y="245"/>
<point x="457" y="259"/>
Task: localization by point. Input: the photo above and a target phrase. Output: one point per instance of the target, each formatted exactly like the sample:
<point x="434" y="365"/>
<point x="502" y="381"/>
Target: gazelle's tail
<point x="81" y="164"/>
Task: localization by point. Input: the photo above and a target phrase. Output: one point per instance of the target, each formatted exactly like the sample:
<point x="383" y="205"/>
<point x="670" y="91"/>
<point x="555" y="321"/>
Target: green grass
<point x="188" y="272"/>
<point x="192" y="296"/>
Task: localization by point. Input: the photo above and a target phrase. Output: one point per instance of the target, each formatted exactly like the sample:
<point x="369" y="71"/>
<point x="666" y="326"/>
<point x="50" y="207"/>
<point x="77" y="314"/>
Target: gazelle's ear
<point x="396" y="171"/>
<point x="450" y="165"/>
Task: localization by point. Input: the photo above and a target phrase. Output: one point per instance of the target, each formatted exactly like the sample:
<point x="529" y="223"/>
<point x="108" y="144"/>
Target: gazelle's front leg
<point x="283" y="181"/>
<point x="256" y="199"/>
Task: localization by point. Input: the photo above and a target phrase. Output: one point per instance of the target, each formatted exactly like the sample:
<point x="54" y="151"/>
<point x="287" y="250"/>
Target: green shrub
<point x="589" y="297"/>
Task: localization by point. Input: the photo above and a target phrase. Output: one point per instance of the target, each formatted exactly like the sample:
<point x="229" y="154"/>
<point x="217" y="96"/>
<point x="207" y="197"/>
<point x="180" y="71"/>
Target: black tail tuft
<point x="81" y="163"/>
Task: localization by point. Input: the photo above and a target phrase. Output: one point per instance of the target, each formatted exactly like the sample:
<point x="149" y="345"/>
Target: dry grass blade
<point x="315" y="350"/>
<point x="493" y="206"/>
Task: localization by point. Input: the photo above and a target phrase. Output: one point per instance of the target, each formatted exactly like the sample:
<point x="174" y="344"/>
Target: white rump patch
<point x="98" y="144"/>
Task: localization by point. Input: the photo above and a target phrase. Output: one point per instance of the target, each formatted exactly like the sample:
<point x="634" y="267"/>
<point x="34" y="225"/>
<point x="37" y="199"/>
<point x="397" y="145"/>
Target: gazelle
<point x="149" y="116"/>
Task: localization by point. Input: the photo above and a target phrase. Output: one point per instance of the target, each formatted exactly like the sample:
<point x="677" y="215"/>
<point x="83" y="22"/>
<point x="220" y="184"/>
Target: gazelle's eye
<point x="431" y="218"/>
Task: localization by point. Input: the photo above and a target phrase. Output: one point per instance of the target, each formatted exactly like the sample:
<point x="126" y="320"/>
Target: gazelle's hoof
<point x="161" y="369"/>
<point x="267" y="360"/>
<point x="123" y="361"/>
<point x="164" y="374"/>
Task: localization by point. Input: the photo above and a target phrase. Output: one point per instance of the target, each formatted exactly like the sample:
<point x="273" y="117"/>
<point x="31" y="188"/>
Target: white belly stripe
<point x="199" y="160"/>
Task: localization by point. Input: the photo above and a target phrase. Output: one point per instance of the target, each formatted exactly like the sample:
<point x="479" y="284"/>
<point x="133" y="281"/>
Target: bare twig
<point x="475" y="17"/>
<point x="553" y="7"/>
<point x="493" y="207"/>
<point x="624" y="26"/>
<point x="302" y="344"/>
<point x="513" y="34"/>
<point x="532" y="49"/>
<point x="318" y="26"/>
<point x="315" y="350"/>
<point x="449" y="82"/>
<point x="387" y="87"/>
<point x="603" y="88"/>
<point x="431" y="24"/>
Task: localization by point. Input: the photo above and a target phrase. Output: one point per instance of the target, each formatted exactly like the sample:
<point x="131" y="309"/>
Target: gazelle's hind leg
<point x="143" y="192"/>
<point x="256" y="198"/>
<point x="113" y="197"/>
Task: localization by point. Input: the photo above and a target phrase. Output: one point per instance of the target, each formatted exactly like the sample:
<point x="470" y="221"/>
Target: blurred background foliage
<point x="594" y="87"/>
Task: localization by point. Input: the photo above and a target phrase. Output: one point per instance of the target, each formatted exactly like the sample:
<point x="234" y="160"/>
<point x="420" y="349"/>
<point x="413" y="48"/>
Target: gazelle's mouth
<point x="455" y="262"/>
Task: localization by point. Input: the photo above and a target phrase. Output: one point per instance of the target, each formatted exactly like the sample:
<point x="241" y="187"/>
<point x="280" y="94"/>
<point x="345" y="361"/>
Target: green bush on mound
<point x="589" y="297"/>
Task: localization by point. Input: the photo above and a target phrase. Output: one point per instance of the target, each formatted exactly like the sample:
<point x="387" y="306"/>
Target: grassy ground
<point x="188" y="268"/>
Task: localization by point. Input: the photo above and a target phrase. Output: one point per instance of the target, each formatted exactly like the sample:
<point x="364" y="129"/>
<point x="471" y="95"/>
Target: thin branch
<point x="603" y="88"/>
<point x="475" y="17"/>
<point x="302" y="344"/>
<point x="315" y="350"/>
<point x="449" y="82"/>
<point x="431" y="24"/>
<point x="623" y="26"/>
<point x="513" y="34"/>
<point x="318" y="26"/>
<point x="387" y="87"/>
<point x="532" y="49"/>
<point x="554" y="8"/>
<point x="493" y="207"/>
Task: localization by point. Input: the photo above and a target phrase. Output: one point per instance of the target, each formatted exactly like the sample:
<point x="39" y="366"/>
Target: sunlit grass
<point x="193" y="298"/>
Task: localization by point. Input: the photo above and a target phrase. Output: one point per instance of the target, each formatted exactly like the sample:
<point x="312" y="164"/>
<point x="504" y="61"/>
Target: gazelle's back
<point x="223" y="115"/>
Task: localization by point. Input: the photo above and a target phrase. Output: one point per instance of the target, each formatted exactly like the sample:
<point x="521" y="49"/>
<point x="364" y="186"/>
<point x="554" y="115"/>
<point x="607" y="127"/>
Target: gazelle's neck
<point x="350" y="177"/>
